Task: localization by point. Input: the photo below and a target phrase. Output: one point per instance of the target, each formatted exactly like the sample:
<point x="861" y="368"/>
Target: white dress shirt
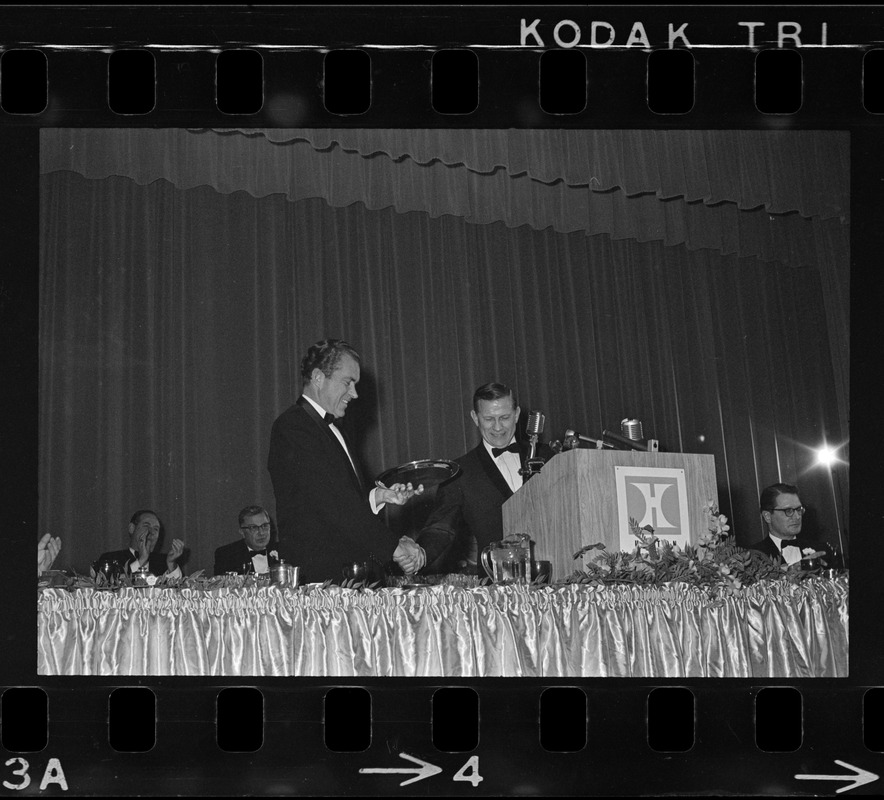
<point x="790" y="551"/>
<point x="136" y="564"/>
<point x="375" y="506"/>
<point x="509" y="465"/>
<point x="259" y="562"/>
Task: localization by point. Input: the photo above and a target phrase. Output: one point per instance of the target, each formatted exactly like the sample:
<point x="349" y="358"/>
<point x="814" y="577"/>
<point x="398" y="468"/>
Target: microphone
<point x="646" y="445"/>
<point x="632" y="429"/>
<point x="535" y="424"/>
<point x="533" y="428"/>
<point x="575" y="437"/>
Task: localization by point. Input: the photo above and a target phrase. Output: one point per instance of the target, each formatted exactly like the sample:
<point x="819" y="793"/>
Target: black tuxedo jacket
<point x="802" y="540"/>
<point x="156" y="562"/>
<point x="323" y="515"/>
<point x="234" y="557"/>
<point x="469" y="508"/>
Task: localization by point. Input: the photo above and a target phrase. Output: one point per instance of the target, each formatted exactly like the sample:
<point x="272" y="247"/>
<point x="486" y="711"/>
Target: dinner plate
<point x="427" y="472"/>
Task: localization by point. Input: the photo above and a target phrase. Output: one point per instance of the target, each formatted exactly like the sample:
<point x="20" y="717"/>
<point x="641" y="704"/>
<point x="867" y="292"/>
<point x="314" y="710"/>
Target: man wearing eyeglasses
<point x="252" y="553"/>
<point x="782" y="511"/>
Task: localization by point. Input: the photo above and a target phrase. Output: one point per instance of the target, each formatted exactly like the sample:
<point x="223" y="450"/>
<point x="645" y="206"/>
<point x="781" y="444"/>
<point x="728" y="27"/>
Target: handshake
<point x="409" y="555"/>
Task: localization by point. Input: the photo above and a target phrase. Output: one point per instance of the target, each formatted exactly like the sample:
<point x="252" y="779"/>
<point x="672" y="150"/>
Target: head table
<point x="769" y="629"/>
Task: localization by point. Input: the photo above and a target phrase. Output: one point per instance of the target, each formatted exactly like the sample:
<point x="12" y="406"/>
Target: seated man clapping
<point x="144" y="531"/>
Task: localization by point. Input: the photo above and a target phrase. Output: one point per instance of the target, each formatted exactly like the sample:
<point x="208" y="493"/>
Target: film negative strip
<point x="671" y="214"/>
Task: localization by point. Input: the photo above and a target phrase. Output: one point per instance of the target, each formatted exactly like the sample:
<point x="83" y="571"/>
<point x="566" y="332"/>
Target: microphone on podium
<point x="535" y="424"/>
<point x="573" y="439"/>
<point x="646" y="445"/>
<point x="533" y="428"/>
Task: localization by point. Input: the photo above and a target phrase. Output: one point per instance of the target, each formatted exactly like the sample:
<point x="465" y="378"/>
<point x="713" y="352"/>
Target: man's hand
<point x="142" y="548"/>
<point x="409" y="555"/>
<point x="174" y="553"/>
<point x="47" y="549"/>
<point x="398" y="494"/>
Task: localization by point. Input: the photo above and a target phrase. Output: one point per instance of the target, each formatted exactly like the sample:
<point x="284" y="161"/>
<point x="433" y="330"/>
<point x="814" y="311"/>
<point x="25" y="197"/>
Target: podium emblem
<point x="655" y="496"/>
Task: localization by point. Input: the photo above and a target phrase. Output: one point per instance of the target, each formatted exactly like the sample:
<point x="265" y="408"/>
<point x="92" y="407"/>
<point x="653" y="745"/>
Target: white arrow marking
<point x="859" y="777"/>
<point x="425" y="770"/>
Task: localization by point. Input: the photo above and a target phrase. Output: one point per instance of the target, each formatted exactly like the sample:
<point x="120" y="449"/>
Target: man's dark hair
<point x="769" y="496"/>
<point x="325" y="356"/>
<point x="136" y="517"/>
<point x="492" y="391"/>
<point x="252" y="511"/>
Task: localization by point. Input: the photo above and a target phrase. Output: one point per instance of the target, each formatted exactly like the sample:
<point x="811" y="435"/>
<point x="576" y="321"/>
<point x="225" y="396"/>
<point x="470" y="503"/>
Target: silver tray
<point x="427" y="472"/>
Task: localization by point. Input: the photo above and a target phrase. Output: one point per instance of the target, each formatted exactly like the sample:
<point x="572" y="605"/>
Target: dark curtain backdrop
<point x="775" y="195"/>
<point x="172" y="324"/>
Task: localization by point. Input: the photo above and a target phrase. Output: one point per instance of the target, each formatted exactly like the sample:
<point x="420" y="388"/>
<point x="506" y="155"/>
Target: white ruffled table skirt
<point x="769" y="629"/>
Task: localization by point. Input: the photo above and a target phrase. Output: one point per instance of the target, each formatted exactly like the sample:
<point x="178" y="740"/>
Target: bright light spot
<point x="701" y="438"/>
<point x="826" y="456"/>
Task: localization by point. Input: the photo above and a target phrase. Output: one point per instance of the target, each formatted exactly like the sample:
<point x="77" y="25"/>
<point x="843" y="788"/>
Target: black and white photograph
<point x="441" y="400"/>
<point x="454" y="403"/>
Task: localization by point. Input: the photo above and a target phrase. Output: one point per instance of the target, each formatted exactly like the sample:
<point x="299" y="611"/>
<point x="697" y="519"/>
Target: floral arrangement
<point x="716" y="561"/>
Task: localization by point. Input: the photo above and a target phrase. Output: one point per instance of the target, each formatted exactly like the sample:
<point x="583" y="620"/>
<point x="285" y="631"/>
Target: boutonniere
<point x="274" y="554"/>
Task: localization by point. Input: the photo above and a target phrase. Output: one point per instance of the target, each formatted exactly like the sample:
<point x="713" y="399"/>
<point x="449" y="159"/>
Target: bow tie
<point x="329" y="418"/>
<point x="253" y="553"/>
<point x="497" y="452"/>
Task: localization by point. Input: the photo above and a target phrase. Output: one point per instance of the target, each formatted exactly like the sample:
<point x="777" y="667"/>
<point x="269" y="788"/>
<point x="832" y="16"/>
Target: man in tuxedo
<point x="325" y="514"/>
<point x="467" y="515"/>
<point x="782" y="511"/>
<point x="144" y="531"/>
<point x="250" y="554"/>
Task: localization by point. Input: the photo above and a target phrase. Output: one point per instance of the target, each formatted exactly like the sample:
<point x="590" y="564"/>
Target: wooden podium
<point x="584" y="496"/>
